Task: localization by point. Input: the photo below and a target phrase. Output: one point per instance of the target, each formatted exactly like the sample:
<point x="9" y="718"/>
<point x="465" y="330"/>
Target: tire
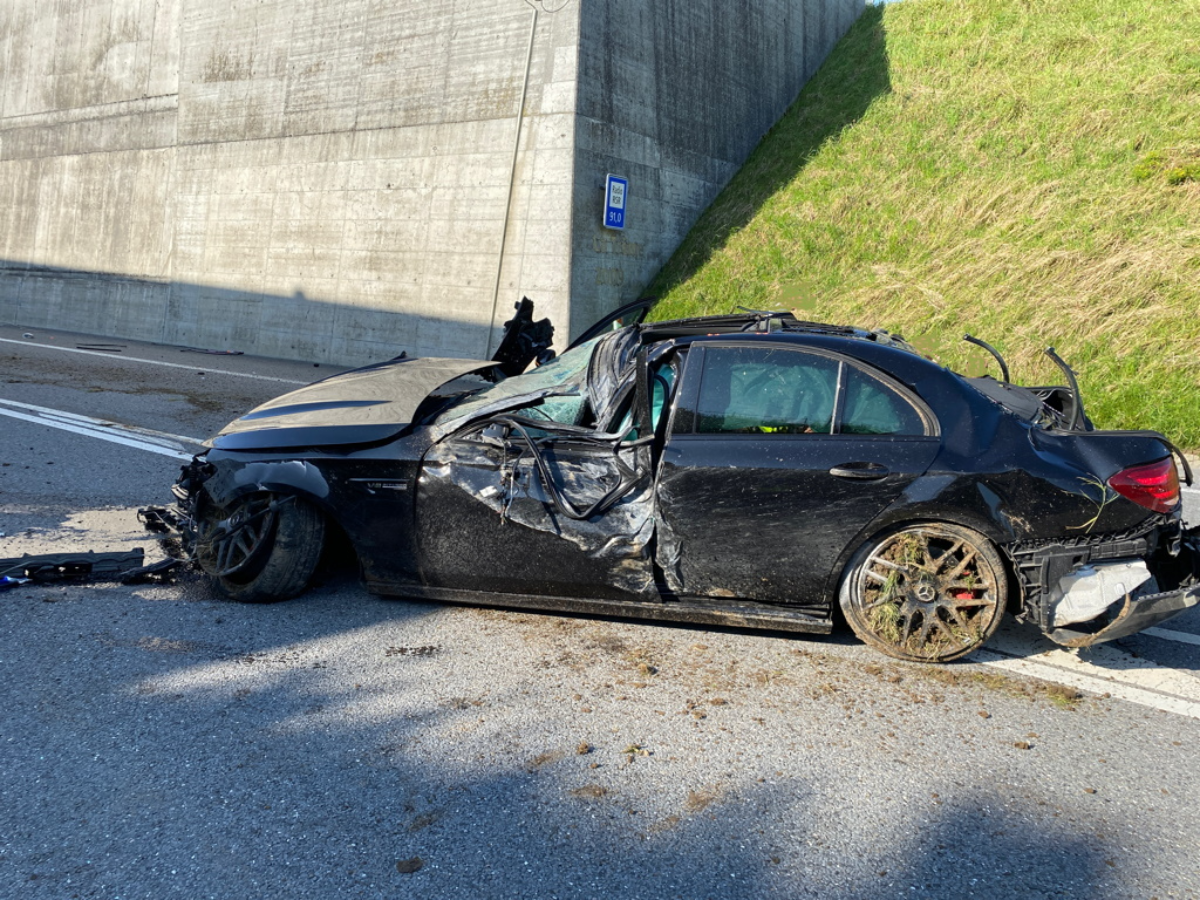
<point x="261" y="549"/>
<point x="927" y="593"/>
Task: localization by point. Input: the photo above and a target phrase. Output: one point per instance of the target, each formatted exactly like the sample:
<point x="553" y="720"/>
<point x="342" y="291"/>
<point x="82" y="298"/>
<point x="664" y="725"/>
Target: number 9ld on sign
<point x="615" y="192"/>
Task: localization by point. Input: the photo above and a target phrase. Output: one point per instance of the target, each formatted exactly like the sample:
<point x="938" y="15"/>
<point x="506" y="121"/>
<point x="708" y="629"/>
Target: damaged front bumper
<point x="175" y="525"/>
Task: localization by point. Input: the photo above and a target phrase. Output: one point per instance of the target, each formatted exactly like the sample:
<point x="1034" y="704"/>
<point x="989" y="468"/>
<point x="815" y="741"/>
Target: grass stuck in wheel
<point x="931" y="592"/>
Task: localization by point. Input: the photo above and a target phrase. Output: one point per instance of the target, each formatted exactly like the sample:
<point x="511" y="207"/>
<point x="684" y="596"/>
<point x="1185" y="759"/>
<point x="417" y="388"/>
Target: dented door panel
<point x="487" y="500"/>
<point x="755" y="502"/>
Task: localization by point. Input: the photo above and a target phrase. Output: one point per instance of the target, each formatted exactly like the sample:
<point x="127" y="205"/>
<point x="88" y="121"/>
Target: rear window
<point x="874" y="408"/>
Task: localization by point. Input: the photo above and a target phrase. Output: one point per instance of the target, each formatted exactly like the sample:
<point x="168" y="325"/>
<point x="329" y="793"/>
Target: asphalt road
<point x="159" y="742"/>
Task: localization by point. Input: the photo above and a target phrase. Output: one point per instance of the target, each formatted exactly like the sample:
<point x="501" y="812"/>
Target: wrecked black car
<point x="750" y="469"/>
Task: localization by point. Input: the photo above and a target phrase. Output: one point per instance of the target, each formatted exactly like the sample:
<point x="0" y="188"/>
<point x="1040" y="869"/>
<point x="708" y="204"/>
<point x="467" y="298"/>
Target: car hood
<point x="361" y="406"/>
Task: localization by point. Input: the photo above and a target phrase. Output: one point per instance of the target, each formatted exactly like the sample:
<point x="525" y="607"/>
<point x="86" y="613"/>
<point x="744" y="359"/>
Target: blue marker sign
<point x="616" y="190"/>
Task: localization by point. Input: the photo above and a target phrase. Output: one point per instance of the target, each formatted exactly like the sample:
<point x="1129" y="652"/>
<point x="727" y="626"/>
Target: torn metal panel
<point x="1097" y="568"/>
<point x="611" y="373"/>
<point x="575" y="381"/>
<point x="669" y="557"/>
<point x="497" y="487"/>
<point x="1136" y="614"/>
<point x="1040" y="566"/>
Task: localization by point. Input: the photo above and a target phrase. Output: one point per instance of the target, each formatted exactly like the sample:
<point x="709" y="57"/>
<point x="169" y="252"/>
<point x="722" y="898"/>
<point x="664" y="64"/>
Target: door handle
<point x="860" y="471"/>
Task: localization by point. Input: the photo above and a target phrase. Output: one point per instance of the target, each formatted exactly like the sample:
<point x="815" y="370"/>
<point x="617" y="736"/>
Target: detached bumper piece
<point x="126" y="568"/>
<point x="173" y="528"/>
<point x="1136" y="614"/>
<point x="1116" y="603"/>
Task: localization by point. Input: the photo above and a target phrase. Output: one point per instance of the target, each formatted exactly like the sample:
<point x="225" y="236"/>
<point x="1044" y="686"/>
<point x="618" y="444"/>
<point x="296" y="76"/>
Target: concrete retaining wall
<point x="674" y="95"/>
<point x="340" y="180"/>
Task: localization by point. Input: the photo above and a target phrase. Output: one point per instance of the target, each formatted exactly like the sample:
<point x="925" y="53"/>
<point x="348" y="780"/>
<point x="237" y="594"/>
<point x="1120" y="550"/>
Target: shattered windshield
<point x="564" y="379"/>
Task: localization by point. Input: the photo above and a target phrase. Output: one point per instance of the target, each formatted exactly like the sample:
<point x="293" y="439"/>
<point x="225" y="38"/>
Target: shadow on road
<point x="342" y="745"/>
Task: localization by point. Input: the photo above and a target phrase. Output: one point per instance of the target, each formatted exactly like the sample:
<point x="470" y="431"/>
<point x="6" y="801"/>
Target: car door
<point x="633" y="313"/>
<point x="777" y="456"/>
<point x="539" y="498"/>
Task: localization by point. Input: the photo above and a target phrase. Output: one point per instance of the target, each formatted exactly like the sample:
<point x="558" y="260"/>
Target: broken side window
<point x="662" y="385"/>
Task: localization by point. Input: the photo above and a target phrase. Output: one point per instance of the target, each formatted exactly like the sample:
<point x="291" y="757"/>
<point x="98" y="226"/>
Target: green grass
<point x="1024" y="170"/>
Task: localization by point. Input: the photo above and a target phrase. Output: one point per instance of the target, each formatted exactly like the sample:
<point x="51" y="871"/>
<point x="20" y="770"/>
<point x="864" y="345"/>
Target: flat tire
<point x="262" y="548"/>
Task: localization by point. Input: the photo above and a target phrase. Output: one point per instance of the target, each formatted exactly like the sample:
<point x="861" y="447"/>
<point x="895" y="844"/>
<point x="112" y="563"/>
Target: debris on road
<point x="127" y="567"/>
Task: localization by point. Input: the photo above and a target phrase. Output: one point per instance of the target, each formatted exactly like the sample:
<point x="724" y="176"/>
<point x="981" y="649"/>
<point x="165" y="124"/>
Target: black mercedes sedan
<point x="750" y="469"/>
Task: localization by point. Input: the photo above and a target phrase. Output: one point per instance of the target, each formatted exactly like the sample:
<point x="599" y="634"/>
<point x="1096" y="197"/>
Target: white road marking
<point x="154" y="362"/>
<point x="1103" y="669"/>
<point x="1165" y="634"/>
<point x="89" y="420"/>
<point x="1092" y="684"/>
<point x="130" y="436"/>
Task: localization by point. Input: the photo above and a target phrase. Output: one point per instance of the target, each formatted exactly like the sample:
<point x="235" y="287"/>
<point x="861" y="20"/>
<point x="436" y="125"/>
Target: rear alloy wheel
<point x="929" y="593"/>
<point x="262" y="548"/>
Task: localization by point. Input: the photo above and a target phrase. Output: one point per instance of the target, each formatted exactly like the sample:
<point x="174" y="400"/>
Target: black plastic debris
<point x="159" y="520"/>
<point x="524" y="340"/>
<point x="175" y="533"/>
<point x="126" y="567"/>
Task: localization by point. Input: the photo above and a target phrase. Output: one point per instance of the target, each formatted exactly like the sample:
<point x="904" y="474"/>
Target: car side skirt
<point x="694" y="613"/>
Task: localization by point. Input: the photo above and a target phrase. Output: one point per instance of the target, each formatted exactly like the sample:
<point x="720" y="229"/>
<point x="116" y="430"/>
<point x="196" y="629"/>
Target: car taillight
<point x="1154" y="485"/>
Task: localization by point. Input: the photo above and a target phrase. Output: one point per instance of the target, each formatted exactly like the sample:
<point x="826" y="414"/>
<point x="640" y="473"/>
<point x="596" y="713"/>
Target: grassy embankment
<point x="1026" y="171"/>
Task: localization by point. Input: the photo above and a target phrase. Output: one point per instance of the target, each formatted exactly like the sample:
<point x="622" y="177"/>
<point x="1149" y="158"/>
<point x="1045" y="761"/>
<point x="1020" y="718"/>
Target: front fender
<point x="281" y="476"/>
